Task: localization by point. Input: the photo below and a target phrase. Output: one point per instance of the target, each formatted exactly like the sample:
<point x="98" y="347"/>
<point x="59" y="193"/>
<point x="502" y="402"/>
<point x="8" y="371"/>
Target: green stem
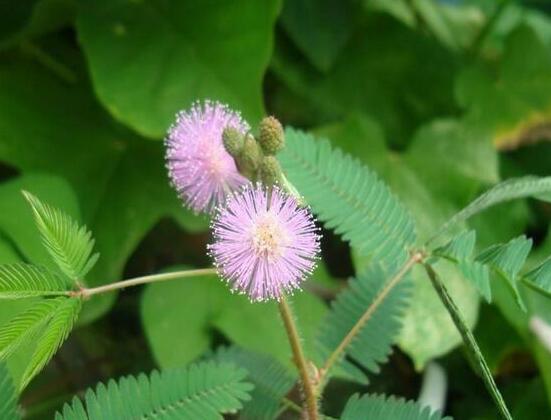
<point x="310" y="400"/>
<point x="59" y="69"/>
<point x="469" y="341"/>
<point x="86" y="292"/>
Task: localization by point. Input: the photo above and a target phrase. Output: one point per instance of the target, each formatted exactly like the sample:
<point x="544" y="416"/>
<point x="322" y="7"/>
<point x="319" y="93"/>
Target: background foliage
<point x="441" y="99"/>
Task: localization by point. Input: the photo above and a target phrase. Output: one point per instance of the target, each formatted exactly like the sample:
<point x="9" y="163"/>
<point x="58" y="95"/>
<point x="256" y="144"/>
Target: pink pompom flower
<point x="199" y="167"/>
<point x="265" y="244"/>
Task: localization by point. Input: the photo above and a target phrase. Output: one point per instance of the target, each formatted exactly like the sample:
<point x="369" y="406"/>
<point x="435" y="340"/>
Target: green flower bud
<point x="271" y="137"/>
<point x="233" y="141"/>
<point x="270" y="171"/>
<point x="249" y="158"/>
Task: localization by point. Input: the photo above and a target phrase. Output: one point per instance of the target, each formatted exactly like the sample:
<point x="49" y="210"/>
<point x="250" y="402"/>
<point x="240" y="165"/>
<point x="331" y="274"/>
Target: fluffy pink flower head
<point x="264" y="244"/>
<point x="199" y="167"/>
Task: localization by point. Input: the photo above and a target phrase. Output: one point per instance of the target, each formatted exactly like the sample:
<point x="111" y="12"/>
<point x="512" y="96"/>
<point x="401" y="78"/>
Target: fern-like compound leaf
<point x="201" y="391"/>
<point x="530" y="186"/>
<point x="26" y="326"/>
<point x="60" y="324"/>
<point x="69" y="244"/>
<point x="379" y="407"/>
<point x="21" y="280"/>
<point x="271" y="380"/>
<point x="349" y="198"/>
<point x="366" y="294"/>
<point x="8" y="400"/>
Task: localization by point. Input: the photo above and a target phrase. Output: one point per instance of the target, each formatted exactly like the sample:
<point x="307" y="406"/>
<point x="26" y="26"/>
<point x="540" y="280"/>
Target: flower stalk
<point x="308" y="388"/>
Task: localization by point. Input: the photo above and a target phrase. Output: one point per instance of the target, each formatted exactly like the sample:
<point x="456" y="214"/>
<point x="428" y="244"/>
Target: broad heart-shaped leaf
<point x="349" y="197"/>
<point x="514" y="106"/>
<point x="16" y="216"/>
<point x="461" y="158"/>
<point x="380" y="407"/>
<point x="366" y="295"/>
<point x="201" y="391"/>
<point x="271" y="380"/>
<point x="8" y="401"/>
<point x="378" y="73"/>
<point x="319" y="28"/>
<point x="428" y="318"/>
<point x="20" y="280"/>
<point x="58" y="328"/>
<point x="69" y="244"/>
<point x="204" y="304"/>
<point x="14" y="16"/>
<point x="29" y="18"/>
<point x="68" y="134"/>
<point x="176" y="52"/>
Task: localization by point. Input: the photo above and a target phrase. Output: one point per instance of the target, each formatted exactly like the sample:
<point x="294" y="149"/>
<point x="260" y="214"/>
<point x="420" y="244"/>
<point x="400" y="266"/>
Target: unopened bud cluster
<point x="255" y="157"/>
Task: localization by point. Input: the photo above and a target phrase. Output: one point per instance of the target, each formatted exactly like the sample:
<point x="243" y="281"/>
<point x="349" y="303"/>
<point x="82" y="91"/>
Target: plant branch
<point x="289" y="404"/>
<point x="488" y="27"/>
<point x="469" y="341"/>
<point x="154" y="278"/>
<point x="337" y="353"/>
<point x="310" y="401"/>
<point x="56" y="67"/>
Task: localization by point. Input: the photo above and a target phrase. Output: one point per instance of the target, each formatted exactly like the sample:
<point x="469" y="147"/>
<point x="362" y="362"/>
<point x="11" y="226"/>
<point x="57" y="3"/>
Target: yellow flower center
<point x="268" y="238"/>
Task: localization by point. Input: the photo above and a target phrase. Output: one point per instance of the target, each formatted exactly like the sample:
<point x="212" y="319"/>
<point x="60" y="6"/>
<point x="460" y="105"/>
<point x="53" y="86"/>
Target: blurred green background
<point x="442" y="98"/>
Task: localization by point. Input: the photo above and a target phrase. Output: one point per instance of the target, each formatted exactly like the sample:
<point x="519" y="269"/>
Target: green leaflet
<point x="379" y="407"/>
<point x="69" y="244"/>
<point x="201" y="391"/>
<point x="505" y="260"/>
<point x="460" y="250"/>
<point x="539" y="278"/>
<point x="272" y="381"/>
<point x="8" y="400"/>
<point x="25" y="326"/>
<point x="19" y="280"/>
<point x="529" y="186"/>
<point x="373" y="343"/>
<point x="58" y="328"/>
<point x="348" y="197"/>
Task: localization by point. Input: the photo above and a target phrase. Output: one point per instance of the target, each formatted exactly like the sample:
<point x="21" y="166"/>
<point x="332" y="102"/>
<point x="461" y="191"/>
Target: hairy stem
<point x="339" y="351"/>
<point x="310" y="400"/>
<point x="469" y="341"/>
<point x="154" y="278"/>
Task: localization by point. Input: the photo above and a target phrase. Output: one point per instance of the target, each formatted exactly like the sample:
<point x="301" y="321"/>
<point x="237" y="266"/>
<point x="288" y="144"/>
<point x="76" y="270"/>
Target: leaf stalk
<point x="154" y="278"/>
<point x="469" y="341"/>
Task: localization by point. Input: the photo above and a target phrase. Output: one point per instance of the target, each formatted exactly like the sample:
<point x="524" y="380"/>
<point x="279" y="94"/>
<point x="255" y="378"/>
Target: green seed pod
<point x="233" y="141"/>
<point x="270" y="171"/>
<point x="271" y="137"/>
